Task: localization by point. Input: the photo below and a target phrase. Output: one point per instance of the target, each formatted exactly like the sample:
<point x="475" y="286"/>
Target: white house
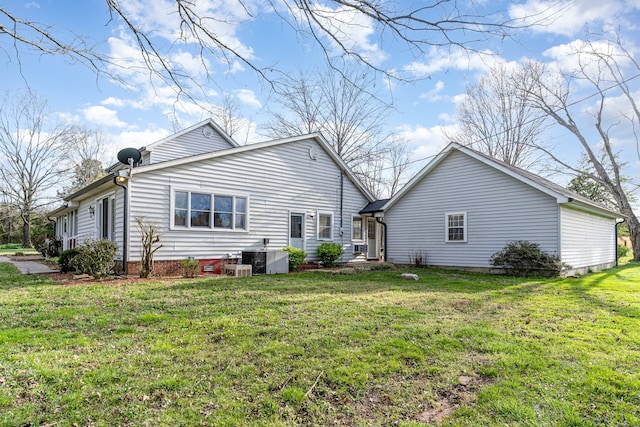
<point x="464" y="206"/>
<point x="213" y="199"/>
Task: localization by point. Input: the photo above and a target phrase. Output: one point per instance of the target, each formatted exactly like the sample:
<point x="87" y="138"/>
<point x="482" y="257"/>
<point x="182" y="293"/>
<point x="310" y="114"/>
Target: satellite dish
<point x="129" y="153"/>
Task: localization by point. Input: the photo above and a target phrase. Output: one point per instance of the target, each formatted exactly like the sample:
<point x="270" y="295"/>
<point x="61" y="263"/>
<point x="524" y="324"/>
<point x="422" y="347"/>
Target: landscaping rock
<point x="409" y="276"/>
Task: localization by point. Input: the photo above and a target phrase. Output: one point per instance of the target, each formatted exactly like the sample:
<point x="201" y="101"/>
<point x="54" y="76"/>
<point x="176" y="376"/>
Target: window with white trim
<point x="357" y="230"/>
<point x="197" y="210"/>
<point x="325" y="226"/>
<point x="456" y="227"/>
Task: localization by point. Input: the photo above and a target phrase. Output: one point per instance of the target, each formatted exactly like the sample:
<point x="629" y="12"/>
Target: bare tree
<point x="351" y="119"/>
<point x="496" y="120"/>
<point x="33" y="151"/>
<point x="229" y="117"/>
<point x="209" y="30"/>
<point x="86" y="151"/>
<point x="149" y="237"/>
<point x="606" y="69"/>
<point x="399" y="165"/>
<point x="384" y="174"/>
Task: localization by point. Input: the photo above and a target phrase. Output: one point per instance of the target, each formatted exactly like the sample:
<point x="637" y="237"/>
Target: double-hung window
<point x="456" y="227"/>
<point x="357" y="230"/>
<point x="325" y="226"/>
<point x="197" y="210"/>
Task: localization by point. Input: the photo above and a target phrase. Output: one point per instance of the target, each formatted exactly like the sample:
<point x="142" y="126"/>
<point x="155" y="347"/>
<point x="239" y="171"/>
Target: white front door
<point x="372" y="247"/>
<point x="296" y="230"/>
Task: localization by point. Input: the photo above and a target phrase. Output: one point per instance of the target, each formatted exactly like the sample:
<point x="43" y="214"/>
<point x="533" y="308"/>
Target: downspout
<point x="384" y="238"/>
<point x="341" y="212"/>
<point x="124" y="224"/>
<point x="341" y="201"/>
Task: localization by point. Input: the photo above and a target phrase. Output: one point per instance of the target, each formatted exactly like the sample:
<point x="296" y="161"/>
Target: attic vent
<point x="208" y="132"/>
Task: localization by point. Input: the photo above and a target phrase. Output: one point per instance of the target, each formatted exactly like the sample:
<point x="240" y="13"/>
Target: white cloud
<point x="569" y="17"/>
<point x="573" y="56"/>
<point x="114" y="102"/>
<point x="129" y="138"/>
<point x="351" y="28"/>
<point x="248" y="97"/>
<point x="426" y="142"/>
<point x="194" y="66"/>
<point x="103" y="116"/>
<point x="222" y="18"/>
<point x="434" y="94"/>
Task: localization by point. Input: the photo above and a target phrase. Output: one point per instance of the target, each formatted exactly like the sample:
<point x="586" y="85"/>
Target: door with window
<point x="372" y="247"/>
<point x="296" y="230"/>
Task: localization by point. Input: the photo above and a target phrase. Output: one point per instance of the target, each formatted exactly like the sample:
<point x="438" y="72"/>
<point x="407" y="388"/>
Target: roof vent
<point x="207" y="131"/>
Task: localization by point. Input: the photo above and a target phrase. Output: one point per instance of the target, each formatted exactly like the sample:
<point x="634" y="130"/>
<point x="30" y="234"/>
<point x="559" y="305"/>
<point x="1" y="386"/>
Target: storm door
<point x="296" y="230"/>
<point x="372" y="241"/>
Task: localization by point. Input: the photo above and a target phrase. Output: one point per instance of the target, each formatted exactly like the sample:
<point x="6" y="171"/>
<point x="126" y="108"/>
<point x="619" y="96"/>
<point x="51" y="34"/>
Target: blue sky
<point x="144" y="112"/>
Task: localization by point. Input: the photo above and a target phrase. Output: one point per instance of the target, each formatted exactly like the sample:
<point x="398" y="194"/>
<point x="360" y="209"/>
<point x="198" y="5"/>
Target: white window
<point x="357" y="230"/>
<point x="456" y="227"/>
<point x="325" y="226"/>
<point x="197" y="210"/>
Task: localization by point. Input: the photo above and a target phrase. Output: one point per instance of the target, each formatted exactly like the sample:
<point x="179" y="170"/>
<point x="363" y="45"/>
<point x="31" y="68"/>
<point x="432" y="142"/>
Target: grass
<point x="452" y="349"/>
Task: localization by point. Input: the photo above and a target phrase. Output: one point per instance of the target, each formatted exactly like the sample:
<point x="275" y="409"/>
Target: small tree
<point x="149" y="236"/>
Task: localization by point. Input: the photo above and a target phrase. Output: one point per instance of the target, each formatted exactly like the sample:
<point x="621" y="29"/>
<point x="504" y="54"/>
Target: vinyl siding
<point x="87" y="226"/>
<point x="587" y="240"/>
<point x="189" y="144"/>
<point x="277" y="180"/>
<point x="499" y="209"/>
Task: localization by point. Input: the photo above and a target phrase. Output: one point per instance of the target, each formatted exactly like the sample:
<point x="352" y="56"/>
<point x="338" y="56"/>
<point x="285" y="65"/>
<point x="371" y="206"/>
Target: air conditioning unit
<point x="266" y="262"/>
<point x="360" y="249"/>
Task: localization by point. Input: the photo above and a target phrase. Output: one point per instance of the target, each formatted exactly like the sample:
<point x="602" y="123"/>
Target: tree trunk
<point x="634" y="235"/>
<point x="26" y="231"/>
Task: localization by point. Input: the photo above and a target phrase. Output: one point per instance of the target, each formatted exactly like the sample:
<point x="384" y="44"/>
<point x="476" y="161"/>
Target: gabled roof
<point x="561" y="194"/>
<point x="209" y="122"/>
<point x="173" y="136"/>
<point x="259" y="146"/>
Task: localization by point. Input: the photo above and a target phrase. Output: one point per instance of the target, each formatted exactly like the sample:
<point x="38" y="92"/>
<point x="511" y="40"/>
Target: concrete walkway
<point x="29" y="267"/>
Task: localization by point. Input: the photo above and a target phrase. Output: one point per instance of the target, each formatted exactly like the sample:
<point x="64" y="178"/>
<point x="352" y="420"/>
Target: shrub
<point x="190" y="267"/>
<point x="95" y="258"/>
<point x="622" y="251"/>
<point x="297" y="257"/>
<point x="65" y="258"/>
<point x="329" y="253"/>
<point x="418" y="258"/>
<point x="524" y="259"/>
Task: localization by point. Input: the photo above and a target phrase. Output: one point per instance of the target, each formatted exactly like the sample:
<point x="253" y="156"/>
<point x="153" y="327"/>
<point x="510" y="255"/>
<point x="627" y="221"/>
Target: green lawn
<point x="322" y="349"/>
